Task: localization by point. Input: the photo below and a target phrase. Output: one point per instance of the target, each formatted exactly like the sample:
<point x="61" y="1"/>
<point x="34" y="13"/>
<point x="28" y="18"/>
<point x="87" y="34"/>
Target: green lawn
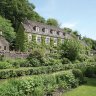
<point x="88" y="89"/>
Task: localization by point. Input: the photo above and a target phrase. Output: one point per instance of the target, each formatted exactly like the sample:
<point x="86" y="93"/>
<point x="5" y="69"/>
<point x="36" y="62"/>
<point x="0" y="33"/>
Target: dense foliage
<point x="18" y="10"/>
<point x="52" y="22"/>
<point x="71" y="49"/>
<point x="40" y="85"/>
<point x="7" y="29"/>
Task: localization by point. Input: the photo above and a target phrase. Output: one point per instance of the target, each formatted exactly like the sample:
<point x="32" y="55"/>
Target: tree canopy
<point x="53" y="22"/>
<point x="7" y="29"/>
<point x="17" y="10"/>
<point x="71" y="49"/>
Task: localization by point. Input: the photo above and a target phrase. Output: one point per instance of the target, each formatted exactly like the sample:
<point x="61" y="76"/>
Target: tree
<point x="7" y="30"/>
<point x="18" y="10"/>
<point x="67" y="30"/>
<point x="70" y="49"/>
<point x="88" y="41"/>
<point x="53" y="22"/>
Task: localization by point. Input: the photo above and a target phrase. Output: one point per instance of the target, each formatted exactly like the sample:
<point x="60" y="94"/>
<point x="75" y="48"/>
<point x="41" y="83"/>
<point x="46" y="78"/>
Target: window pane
<point x="38" y="39"/>
<point x="47" y="40"/>
<point x="55" y="41"/>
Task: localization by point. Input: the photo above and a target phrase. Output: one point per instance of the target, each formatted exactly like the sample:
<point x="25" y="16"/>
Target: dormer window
<point x="36" y="28"/>
<point x="58" y="32"/>
<point x="51" y="31"/>
<point x="64" y="34"/>
<point x="45" y="30"/>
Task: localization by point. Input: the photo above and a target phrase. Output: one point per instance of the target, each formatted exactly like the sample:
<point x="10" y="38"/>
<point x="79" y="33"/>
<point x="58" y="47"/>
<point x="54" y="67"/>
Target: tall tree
<point x="53" y="22"/>
<point x="17" y="10"/>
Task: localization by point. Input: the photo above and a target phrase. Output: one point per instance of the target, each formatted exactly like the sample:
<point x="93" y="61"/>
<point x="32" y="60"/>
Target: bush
<point x="91" y="72"/>
<point x="5" y="65"/>
<point x="7" y="73"/>
<point x="52" y="61"/>
<point x="19" y="63"/>
<point x="79" y="75"/>
<point x="35" y="59"/>
<point x="71" y="49"/>
<point x="66" y="61"/>
<point x="39" y="85"/>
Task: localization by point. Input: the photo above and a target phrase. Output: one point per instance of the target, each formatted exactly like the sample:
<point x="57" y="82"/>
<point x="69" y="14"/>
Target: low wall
<point x="14" y="54"/>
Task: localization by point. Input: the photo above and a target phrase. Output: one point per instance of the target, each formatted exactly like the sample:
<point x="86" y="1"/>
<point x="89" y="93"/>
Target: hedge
<point x="40" y="85"/>
<point x="8" y="73"/>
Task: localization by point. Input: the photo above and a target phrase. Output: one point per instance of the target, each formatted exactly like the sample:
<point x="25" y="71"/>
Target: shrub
<point x="79" y="75"/>
<point x="39" y="85"/>
<point x="35" y="59"/>
<point x="91" y="71"/>
<point x="71" y="49"/>
<point x="19" y="63"/>
<point x="5" y="65"/>
<point x="66" y="61"/>
<point x="52" y="61"/>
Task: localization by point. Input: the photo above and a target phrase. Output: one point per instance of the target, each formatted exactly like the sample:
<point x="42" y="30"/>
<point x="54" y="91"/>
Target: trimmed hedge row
<point x="41" y="85"/>
<point x="8" y="73"/>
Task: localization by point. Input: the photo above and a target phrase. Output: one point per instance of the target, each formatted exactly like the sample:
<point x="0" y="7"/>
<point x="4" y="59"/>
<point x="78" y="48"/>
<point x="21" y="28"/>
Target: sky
<point x="78" y="15"/>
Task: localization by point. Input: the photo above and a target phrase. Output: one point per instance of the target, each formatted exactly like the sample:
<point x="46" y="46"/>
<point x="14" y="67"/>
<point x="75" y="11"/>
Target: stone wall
<point x="14" y="55"/>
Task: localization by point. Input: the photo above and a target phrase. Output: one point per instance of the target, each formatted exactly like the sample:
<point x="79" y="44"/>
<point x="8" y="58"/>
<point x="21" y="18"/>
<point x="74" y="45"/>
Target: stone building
<point x="40" y="29"/>
<point x="4" y="44"/>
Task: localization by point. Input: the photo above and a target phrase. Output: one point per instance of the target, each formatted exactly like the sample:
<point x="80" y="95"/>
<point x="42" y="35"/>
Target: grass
<point x="88" y="89"/>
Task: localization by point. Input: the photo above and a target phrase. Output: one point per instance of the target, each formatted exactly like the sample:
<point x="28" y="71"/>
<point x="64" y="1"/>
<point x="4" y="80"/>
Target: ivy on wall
<point x="34" y="38"/>
<point x="59" y="42"/>
<point x="43" y="40"/>
<point x="51" y="41"/>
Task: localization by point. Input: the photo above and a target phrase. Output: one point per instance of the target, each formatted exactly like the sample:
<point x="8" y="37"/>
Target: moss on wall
<point x="51" y="41"/>
<point x="43" y="40"/>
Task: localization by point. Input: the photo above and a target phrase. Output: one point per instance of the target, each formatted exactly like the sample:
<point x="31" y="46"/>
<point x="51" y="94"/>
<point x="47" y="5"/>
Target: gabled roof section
<point x="3" y="40"/>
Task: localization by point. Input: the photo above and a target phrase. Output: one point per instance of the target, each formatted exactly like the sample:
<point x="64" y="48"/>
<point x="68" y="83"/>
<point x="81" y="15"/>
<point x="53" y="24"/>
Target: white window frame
<point x="29" y="37"/>
<point x="46" y="30"/>
<point x="55" y="41"/>
<point x="37" y="29"/>
<point x="38" y="38"/>
<point x="46" y="40"/>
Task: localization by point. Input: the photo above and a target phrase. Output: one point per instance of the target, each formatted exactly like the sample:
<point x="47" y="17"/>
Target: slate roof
<point x="29" y="24"/>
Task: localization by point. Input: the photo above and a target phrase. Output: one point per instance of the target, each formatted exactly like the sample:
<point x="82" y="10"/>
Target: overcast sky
<point x="76" y="14"/>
